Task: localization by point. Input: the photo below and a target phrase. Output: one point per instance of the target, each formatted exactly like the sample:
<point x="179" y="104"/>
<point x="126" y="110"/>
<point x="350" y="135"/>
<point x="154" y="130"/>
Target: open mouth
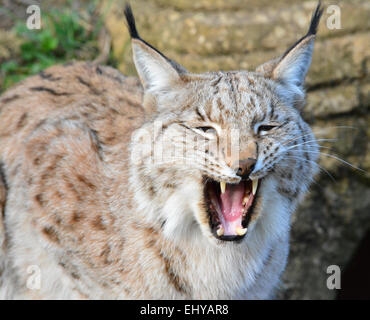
<point x="230" y="207"/>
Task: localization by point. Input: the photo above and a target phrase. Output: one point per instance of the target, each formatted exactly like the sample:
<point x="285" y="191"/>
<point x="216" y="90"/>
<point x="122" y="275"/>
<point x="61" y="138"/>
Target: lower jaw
<point x="235" y="238"/>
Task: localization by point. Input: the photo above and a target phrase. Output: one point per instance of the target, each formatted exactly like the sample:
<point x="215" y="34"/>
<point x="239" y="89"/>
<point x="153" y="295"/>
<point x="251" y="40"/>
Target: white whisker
<point x="304" y="143"/>
<point x="338" y="159"/>
<point x="314" y="163"/>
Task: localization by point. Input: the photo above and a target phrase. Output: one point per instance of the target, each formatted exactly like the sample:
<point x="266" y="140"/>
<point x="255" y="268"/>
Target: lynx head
<point x="222" y="153"/>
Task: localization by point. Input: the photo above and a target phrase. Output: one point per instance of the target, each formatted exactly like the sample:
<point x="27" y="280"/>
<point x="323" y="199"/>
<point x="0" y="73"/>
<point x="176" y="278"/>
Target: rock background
<point x="205" y="35"/>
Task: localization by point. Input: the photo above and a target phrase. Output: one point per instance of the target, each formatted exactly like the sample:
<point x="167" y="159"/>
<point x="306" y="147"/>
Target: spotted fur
<point x="82" y="199"/>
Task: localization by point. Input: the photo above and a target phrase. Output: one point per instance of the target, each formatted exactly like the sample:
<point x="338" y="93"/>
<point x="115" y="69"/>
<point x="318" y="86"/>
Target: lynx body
<point x="86" y="213"/>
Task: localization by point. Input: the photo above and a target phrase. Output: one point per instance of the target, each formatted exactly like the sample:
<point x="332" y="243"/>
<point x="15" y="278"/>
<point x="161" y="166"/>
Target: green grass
<point x="64" y="35"/>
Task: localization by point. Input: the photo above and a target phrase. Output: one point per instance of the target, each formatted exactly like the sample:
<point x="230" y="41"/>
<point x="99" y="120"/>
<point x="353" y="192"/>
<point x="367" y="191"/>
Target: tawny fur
<point x="100" y="225"/>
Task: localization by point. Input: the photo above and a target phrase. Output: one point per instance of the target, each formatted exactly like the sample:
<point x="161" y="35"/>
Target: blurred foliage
<point x="65" y="34"/>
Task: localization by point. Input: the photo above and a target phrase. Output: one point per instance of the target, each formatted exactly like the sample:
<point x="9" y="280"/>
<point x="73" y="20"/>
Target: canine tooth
<point x="241" y="231"/>
<point x="223" y="186"/>
<point x="220" y="231"/>
<point x="245" y="200"/>
<point x="254" y="186"/>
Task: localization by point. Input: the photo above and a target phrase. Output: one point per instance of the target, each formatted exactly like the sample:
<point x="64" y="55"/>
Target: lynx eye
<point x="206" y="129"/>
<point x="264" y="128"/>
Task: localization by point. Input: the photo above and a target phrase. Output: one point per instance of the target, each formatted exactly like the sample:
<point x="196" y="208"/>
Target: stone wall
<point x="205" y="35"/>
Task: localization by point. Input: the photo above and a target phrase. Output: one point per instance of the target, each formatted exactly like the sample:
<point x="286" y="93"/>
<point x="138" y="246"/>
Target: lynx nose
<point x="244" y="165"/>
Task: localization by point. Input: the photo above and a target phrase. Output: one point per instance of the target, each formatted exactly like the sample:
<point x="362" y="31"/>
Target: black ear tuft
<point x="315" y="20"/>
<point x="132" y="28"/>
<point x="131" y="22"/>
<point x="313" y="27"/>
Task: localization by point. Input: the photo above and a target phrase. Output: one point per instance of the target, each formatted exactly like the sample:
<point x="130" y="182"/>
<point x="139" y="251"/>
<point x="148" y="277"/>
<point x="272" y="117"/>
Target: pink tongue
<point x="231" y="201"/>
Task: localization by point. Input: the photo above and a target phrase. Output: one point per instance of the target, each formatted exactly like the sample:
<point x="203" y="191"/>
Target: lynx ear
<point x="291" y="68"/>
<point x="156" y="72"/>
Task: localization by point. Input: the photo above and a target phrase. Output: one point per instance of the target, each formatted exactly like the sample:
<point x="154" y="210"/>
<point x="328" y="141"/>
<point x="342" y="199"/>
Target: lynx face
<point x="223" y="152"/>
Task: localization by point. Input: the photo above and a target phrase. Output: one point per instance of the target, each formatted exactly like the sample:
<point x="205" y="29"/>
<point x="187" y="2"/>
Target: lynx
<point x="88" y="211"/>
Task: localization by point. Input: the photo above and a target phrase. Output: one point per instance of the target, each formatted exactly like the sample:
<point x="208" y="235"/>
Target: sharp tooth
<point x="220" y="231"/>
<point x="223" y="186"/>
<point x="245" y="200"/>
<point x="254" y="186"/>
<point x="241" y="231"/>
